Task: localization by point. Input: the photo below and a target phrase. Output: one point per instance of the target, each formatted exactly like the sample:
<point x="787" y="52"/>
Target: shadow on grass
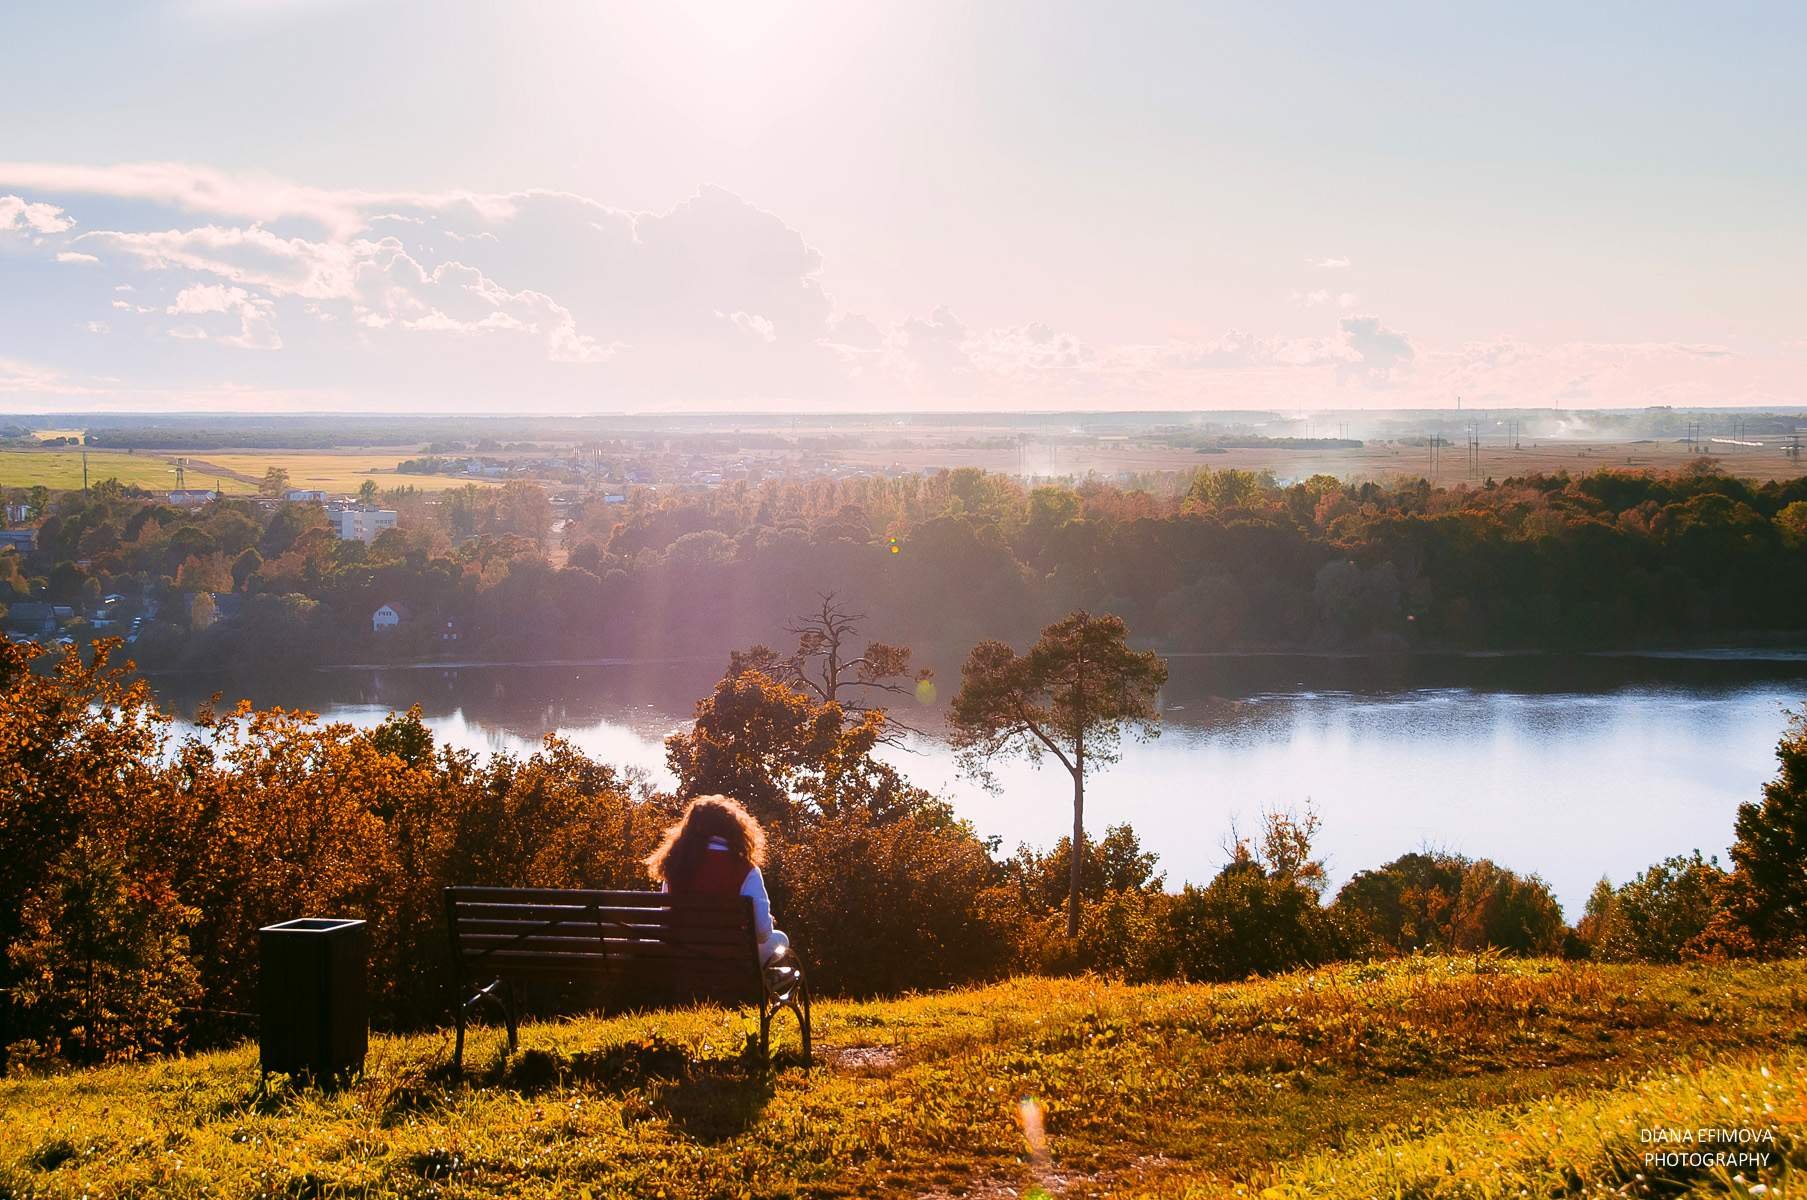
<point x="705" y="1099"/>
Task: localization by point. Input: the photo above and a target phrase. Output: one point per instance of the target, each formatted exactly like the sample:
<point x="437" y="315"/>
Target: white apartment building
<point x="364" y="524"/>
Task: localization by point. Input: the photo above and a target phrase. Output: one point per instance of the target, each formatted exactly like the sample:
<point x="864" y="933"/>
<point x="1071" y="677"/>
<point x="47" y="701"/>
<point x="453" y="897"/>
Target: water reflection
<point x="1573" y="767"/>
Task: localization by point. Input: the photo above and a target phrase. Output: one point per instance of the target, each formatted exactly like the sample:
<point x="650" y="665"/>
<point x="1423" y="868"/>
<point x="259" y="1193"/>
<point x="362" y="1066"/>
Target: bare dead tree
<point x="825" y="664"/>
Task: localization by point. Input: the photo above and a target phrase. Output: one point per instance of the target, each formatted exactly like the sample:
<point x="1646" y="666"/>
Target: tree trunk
<point x="1076" y="872"/>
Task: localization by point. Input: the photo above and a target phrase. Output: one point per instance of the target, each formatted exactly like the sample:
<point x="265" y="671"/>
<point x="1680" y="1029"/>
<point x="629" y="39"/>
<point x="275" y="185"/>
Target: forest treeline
<point x="1218" y="560"/>
<point x="140" y="863"/>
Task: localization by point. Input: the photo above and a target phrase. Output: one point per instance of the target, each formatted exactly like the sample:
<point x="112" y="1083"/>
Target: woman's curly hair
<point x="681" y="851"/>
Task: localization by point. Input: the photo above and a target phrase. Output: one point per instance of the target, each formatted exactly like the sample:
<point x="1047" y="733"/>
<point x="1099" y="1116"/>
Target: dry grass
<point x="1418" y="1078"/>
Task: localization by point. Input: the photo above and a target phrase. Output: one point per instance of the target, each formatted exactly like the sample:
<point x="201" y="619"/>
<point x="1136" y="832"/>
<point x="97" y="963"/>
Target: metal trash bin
<point x="314" y="1016"/>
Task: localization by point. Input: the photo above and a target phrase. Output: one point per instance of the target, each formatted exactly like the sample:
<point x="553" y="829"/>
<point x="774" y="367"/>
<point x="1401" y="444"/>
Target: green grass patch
<point x="1418" y="1078"/>
<point x="61" y="470"/>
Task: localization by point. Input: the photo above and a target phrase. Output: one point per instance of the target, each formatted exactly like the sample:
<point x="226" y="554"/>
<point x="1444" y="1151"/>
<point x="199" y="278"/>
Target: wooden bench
<point x="635" y="947"/>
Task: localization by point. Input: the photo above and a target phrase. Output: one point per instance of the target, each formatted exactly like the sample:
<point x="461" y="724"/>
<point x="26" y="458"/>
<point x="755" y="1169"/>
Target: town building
<point x="305" y="496"/>
<point x="363" y="524"/>
<point x="192" y="497"/>
<point x="22" y="540"/>
<point x="388" y="616"/>
<point x="33" y="618"/>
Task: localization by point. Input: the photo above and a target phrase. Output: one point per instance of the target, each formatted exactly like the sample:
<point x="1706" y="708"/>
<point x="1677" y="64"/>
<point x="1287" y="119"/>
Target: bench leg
<point x="458" y="1045"/>
<point x="511" y="1013"/>
<point x="807" y="1060"/>
<point x="797" y="1001"/>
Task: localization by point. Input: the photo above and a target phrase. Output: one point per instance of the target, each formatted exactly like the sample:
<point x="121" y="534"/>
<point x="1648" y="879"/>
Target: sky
<point x="586" y="206"/>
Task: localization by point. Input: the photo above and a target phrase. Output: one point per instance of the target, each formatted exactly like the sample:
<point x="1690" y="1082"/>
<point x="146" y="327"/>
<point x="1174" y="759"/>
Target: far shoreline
<point x="1708" y="653"/>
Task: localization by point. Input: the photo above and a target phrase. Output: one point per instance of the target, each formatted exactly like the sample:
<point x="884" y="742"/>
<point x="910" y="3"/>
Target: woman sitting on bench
<point x="716" y="848"/>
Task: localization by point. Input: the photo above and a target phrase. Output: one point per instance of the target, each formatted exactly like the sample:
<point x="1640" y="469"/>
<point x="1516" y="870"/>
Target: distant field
<point x="232" y="473"/>
<point x="63" y="469"/>
<point x="1375" y="460"/>
<point x="331" y="472"/>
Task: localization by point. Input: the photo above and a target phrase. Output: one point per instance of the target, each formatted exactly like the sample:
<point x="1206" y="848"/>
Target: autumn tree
<point x="522" y="508"/>
<point x="103" y="961"/>
<point x="1766" y="895"/>
<point x="786" y="756"/>
<point x="202" y="611"/>
<point x="92" y="934"/>
<point x="275" y="482"/>
<point x="1073" y="695"/>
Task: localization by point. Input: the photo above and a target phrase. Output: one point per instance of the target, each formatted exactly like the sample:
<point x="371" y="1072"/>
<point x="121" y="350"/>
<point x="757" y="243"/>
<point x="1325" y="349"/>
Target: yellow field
<point x="62" y="469"/>
<point x="235" y="474"/>
<point x="329" y="471"/>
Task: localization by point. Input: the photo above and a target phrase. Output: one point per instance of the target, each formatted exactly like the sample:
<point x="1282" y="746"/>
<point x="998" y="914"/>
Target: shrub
<point x="884" y="906"/>
<point x="1404" y="906"/>
<point x="1247" y="921"/>
<point x="1263" y="912"/>
<point x="1122" y="934"/>
<point x="1659" y="916"/>
<point x="1114" y="863"/>
<point x="1437" y="902"/>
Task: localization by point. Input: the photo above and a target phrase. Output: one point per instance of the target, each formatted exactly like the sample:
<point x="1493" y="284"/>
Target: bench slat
<point x="677" y="967"/>
<point x="582" y="896"/>
<point x="649" y="940"/>
<point x="478" y="943"/>
<point x="466" y="914"/>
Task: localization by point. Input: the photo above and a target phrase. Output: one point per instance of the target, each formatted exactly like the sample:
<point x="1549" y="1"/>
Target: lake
<point x="1571" y="766"/>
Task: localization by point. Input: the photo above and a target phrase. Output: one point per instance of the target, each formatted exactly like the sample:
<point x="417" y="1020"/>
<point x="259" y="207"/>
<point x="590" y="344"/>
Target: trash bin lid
<point x="312" y="925"/>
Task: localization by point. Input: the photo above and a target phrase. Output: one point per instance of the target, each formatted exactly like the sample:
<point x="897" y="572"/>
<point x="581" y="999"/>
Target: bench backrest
<point x="692" y="944"/>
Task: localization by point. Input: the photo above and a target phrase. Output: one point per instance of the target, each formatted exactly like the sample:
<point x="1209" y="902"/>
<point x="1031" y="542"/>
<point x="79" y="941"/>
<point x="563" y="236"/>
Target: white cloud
<point x="208" y="298"/>
<point x="473" y="300"/>
<point x="853" y="332"/>
<point x="1320" y="297"/>
<point x="754" y="324"/>
<point x="283" y="266"/>
<point x="36" y="380"/>
<point x="97" y="327"/>
<point x="251" y="197"/>
<point x="1376" y="351"/>
<point x="19" y="214"/>
<point x="254" y="314"/>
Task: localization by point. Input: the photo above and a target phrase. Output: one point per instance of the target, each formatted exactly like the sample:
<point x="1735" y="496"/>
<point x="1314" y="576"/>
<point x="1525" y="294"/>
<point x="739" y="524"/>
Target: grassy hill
<point x="1425" y="1077"/>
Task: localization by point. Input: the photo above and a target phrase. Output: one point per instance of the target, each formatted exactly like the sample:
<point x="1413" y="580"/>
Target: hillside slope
<point x="1422" y="1077"/>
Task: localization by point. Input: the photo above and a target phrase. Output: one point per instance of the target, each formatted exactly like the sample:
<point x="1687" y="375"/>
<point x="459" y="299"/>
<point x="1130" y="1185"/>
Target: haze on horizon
<point x="316" y="205"/>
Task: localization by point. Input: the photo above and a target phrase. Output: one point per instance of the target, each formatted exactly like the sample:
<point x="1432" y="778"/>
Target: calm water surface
<point x="1570" y="766"/>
